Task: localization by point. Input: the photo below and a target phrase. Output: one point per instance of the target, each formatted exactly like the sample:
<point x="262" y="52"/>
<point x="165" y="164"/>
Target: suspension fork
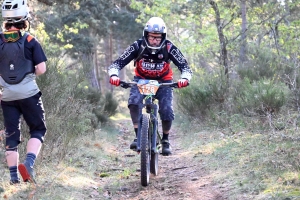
<point x="154" y="122"/>
<point x="146" y="102"/>
<point x="138" y="145"/>
<point x="152" y="109"/>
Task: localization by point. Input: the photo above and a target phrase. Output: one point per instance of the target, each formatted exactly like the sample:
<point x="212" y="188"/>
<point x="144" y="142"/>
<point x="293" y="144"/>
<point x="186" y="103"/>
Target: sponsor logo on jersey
<point x="152" y="66"/>
<point x="127" y="52"/>
<point x="178" y="56"/>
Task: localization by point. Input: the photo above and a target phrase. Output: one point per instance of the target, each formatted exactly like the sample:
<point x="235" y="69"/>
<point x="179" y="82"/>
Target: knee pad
<point x="11" y="145"/>
<point x="166" y="115"/>
<point x="134" y="113"/>
<point x="39" y="135"/>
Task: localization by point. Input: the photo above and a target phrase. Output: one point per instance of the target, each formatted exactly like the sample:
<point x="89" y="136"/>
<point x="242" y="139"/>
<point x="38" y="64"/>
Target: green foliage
<point x="194" y="100"/>
<point x="110" y="105"/>
<point x="76" y="27"/>
<point x="93" y="95"/>
<point x="263" y="64"/>
<point x="103" y="107"/>
<point x="261" y="97"/>
<point x="206" y="93"/>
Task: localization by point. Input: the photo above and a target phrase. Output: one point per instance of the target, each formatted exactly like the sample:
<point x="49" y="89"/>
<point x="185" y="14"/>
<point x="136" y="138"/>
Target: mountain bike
<point x="148" y="137"/>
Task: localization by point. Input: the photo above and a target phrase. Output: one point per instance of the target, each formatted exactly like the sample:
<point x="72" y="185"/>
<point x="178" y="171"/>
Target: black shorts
<point x="33" y="113"/>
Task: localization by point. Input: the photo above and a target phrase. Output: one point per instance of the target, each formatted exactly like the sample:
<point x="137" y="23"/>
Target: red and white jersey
<point x="152" y="66"/>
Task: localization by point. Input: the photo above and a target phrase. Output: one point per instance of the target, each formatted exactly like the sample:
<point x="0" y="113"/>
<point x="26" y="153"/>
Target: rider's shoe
<point x="14" y="182"/>
<point x="133" y="145"/>
<point x="166" y="150"/>
<point x="26" y="172"/>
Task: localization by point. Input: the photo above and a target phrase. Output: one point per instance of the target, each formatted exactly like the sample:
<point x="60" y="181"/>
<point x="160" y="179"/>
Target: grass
<point x="83" y="168"/>
<point x="259" y="165"/>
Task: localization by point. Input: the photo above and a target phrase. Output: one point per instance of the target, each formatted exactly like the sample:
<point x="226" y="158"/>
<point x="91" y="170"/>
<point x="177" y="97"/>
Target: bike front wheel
<point x="154" y="155"/>
<point x="145" y="150"/>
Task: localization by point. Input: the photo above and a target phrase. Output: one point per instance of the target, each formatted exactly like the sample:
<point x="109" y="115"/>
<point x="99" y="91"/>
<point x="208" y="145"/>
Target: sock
<point x="30" y="159"/>
<point x="165" y="136"/>
<point x="136" y="131"/>
<point x="13" y="173"/>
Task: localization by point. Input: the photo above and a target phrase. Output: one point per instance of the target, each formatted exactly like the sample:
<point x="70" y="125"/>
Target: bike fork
<point x="138" y="145"/>
<point x="154" y="122"/>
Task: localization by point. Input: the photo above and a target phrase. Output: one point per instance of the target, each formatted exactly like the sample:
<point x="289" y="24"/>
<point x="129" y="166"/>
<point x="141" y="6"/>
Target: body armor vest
<point x="154" y="68"/>
<point x="13" y="64"/>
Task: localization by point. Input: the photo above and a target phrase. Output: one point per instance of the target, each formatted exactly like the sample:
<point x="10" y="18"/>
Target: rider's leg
<point x="165" y="100"/>
<point x="134" y="112"/>
<point x="166" y="126"/>
<point x="34" y="115"/>
<point x="133" y="104"/>
<point x="11" y="116"/>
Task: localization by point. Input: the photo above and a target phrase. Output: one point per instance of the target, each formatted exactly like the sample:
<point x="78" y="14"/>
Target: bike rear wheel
<point x="145" y="151"/>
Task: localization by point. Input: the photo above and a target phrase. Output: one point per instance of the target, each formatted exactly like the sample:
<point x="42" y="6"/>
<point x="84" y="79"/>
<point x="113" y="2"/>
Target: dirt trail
<point x="181" y="176"/>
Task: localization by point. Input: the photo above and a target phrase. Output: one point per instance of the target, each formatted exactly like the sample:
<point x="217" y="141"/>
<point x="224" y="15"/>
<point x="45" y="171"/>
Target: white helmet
<point x="155" y="25"/>
<point x="15" y="10"/>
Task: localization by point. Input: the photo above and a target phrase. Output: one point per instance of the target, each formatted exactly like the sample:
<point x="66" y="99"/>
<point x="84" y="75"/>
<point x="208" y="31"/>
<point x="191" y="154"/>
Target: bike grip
<point x="123" y="84"/>
<point x="175" y="85"/>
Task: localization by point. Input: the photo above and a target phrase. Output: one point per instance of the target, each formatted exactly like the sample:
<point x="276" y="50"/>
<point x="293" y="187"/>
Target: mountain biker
<point x="152" y="55"/>
<point x="21" y="60"/>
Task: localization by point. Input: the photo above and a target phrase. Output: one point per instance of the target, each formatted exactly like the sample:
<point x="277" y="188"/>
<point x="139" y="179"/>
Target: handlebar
<point x="126" y="85"/>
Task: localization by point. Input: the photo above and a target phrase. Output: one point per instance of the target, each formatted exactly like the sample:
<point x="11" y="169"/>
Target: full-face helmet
<point x="14" y="11"/>
<point x="155" y="25"/>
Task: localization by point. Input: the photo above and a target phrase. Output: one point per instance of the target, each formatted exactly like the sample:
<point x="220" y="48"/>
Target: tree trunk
<point x="98" y="75"/>
<point x="92" y="77"/>
<point x="222" y="39"/>
<point x="243" y="49"/>
<point x="108" y="61"/>
<point x="110" y="56"/>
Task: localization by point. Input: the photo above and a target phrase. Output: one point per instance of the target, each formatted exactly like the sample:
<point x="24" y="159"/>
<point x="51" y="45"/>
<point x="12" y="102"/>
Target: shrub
<point x="261" y="97"/>
<point x="203" y="96"/>
<point x="103" y="106"/>
<point x="263" y="64"/>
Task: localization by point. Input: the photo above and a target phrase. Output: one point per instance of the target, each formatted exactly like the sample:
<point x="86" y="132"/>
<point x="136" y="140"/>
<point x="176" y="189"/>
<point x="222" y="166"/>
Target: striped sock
<point x="13" y="173"/>
<point x="30" y="159"/>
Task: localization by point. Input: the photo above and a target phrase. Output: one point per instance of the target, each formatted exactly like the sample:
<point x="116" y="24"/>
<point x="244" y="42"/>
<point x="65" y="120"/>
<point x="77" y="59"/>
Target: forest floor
<point x="205" y="165"/>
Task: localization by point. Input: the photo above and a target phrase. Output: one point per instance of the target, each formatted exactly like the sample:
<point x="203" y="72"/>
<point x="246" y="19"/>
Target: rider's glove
<point x="182" y="83"/>
<point x="114" y="80"/>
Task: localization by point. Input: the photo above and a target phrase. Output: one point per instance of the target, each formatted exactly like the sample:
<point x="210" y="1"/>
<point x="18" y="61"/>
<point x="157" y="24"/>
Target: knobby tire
<point x="145" y="151"/>
<point x="154" y="156"/>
